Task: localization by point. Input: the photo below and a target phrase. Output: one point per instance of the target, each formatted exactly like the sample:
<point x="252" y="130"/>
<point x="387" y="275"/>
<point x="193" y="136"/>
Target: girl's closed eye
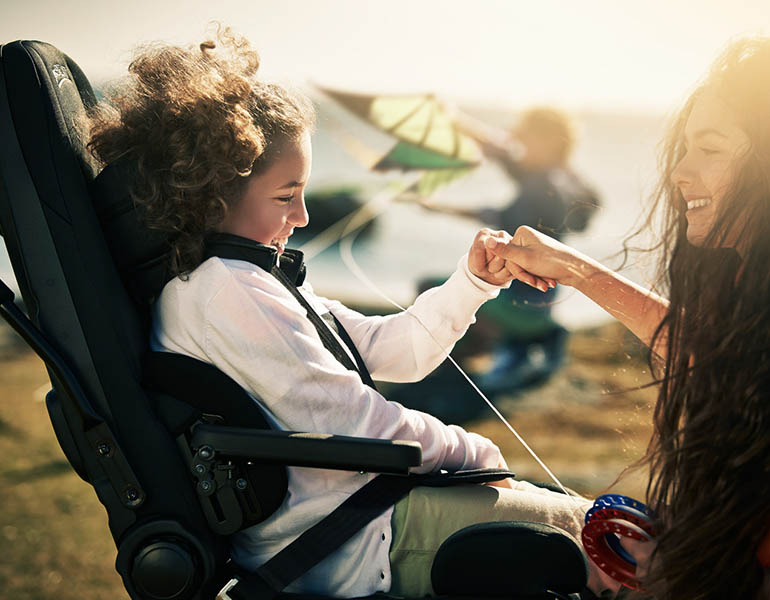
<point x="285" y="198"/>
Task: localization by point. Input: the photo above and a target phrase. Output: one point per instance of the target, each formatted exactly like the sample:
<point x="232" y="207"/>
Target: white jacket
<point x="238" y="317"/>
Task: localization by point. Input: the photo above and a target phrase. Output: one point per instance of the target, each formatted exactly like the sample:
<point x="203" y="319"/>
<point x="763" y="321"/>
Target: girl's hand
<point x="641" y="551"/>
<point x="531" y="255"/>
<point x="502" y="483"/>
<point x="486" y="265"/>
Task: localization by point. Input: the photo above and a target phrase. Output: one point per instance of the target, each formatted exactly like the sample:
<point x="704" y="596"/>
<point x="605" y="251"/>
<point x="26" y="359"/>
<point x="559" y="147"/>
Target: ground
<point x="587" y="424"/>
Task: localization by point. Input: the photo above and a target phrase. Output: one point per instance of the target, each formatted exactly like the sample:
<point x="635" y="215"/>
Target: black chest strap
<point x="289" y="270"/>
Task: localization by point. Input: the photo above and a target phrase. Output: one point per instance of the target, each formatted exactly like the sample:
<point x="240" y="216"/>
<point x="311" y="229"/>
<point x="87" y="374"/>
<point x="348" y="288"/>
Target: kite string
<point x="346" y="238"/>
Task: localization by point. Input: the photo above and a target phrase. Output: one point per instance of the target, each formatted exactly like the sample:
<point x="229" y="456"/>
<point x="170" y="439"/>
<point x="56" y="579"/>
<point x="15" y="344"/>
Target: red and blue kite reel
<point x="611" y="517"/>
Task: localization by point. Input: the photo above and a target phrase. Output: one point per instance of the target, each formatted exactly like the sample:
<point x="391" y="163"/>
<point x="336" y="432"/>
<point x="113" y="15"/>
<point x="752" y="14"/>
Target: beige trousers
<point x="427" y="516"/>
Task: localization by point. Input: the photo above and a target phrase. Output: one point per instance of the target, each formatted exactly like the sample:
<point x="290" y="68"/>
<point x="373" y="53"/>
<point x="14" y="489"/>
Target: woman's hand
<point x="531" y="255"/>
<point x="484" y="263"/>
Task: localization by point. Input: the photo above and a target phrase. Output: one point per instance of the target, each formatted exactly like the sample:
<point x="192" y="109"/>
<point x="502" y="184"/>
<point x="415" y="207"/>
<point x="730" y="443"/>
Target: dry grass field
<point x="587" y="423"/>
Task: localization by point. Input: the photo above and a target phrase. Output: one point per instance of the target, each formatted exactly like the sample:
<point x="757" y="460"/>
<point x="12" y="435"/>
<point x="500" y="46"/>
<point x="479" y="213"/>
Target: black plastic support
<point x="6" y="293"/>
<point x="22" y="325"/>
<point x="115" y="465"/>
<point x="218" y="491"/>
<point x="102" y="441"/>
<point x="310" y="449"/>
<point x="64" y="435"/>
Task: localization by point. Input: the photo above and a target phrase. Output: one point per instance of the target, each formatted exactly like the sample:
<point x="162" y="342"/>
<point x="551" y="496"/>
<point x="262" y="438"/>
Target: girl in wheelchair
<point x="221" y="161"/>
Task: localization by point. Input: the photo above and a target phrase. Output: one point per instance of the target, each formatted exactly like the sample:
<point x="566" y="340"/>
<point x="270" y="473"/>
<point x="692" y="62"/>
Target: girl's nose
<point x="299" y="216"/>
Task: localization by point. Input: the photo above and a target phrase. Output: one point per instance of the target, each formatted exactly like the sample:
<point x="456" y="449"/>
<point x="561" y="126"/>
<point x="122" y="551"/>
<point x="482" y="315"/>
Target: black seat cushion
<point x="496" y="559"/>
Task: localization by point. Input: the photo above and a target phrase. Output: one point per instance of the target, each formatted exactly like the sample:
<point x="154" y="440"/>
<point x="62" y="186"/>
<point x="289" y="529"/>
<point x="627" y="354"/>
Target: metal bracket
<point x="218" y="489"/>
<point x="115" y="465"/>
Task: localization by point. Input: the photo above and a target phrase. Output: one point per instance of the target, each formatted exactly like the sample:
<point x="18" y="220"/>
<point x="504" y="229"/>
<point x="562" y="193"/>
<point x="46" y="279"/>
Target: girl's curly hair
<point x="194" y="123"/>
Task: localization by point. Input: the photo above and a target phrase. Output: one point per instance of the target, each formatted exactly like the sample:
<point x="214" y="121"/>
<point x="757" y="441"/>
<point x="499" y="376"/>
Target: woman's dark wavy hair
<point x="709" y="456"/>
<point x="195" y="123"/>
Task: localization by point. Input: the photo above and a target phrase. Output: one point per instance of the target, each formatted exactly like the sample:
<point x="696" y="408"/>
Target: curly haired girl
<point x="221" y="159"/>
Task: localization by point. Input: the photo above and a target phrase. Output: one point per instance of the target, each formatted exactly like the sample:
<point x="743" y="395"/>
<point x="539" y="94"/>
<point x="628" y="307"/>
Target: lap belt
<point x="338" y="527"/>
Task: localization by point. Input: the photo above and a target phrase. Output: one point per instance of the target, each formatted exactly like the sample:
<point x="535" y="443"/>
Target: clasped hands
<point x="498" y="257"/>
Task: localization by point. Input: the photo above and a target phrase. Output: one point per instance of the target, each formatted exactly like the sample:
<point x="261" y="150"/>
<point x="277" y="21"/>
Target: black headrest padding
<point x="140" y="254"/>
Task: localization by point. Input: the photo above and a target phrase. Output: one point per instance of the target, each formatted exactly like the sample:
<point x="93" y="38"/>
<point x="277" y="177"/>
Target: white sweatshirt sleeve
<point x="408" y="345"/>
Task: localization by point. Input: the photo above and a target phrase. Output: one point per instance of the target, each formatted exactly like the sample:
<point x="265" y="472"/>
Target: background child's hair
<point x="194" y="123"/>
<point x="551" y="124"/>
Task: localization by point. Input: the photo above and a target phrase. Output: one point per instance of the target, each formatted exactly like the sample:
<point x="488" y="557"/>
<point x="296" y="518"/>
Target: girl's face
<point x="274" y="202"/>
<point x="715" y="145"/>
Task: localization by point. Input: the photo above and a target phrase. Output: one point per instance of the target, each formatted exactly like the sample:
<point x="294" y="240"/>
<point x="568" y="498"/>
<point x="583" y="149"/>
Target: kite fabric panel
<point x="433" y="180"/>
<point x="428" y="136"/>
<point x="407" y="156"/>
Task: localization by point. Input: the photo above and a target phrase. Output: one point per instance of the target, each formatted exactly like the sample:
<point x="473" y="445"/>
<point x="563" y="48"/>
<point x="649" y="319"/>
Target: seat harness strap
<point x="289" y="270"/>
<point x="330" y="342"/>
<point x="321" y="540"/>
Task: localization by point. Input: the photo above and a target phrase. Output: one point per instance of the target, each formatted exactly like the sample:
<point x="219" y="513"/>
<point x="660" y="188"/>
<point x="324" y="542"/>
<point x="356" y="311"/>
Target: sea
<point x="407" y="244"/>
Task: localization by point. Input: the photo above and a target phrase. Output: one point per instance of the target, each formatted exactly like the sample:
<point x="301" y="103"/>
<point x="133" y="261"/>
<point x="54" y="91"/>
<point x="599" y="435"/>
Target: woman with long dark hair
<point x="709" y="456"/>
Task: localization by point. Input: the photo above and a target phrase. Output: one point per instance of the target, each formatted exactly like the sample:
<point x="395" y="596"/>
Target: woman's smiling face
<point x="715" y="145"/>
<point x="274" y="202"/>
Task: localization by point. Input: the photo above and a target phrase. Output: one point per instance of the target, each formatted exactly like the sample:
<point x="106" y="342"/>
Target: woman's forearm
<point x="531" y="252"/>
<point x="638" y="308"/>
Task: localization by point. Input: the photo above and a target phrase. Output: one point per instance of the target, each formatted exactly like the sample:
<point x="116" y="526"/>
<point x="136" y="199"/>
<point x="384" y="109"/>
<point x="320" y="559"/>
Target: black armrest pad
<point x="310" y="449"/>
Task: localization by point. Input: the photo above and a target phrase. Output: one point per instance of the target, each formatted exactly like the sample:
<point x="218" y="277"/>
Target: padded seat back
<point x="73" y="292"/>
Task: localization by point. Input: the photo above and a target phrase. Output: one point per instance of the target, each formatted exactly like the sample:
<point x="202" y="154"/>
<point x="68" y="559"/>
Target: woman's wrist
<point x="585" y="271"/>
<point x="575" y="269"/>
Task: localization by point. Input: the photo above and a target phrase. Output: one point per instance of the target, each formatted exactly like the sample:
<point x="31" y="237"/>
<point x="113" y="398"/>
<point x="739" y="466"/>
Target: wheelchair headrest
<point x="140" y="254"/>
<point x="69" y="92"/>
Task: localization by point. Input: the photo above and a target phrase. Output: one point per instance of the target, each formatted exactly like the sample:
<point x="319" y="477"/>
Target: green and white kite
<point x="426" y="136"/>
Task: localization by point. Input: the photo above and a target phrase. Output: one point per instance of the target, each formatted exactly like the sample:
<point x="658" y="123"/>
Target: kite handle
<point x="611" y="517"/>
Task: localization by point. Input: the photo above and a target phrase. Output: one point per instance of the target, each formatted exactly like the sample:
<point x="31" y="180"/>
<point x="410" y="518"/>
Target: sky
<point x="576" y="54"/>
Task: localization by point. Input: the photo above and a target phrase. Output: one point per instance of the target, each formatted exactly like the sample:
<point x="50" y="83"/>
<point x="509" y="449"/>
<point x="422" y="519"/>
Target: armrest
<point x="318" y="450"/>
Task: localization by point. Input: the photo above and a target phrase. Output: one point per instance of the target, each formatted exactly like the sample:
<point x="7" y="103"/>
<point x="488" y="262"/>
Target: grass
<point x="52" y="527"/>
<point x="53" y="530"/>
<point x="588" y="422"/>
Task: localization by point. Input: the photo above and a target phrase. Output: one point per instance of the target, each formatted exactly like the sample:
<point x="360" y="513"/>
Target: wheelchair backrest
<point x="74" y="294"/>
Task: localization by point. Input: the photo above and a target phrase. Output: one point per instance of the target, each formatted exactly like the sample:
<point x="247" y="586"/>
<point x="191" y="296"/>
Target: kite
<point x="427" y="138"/>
